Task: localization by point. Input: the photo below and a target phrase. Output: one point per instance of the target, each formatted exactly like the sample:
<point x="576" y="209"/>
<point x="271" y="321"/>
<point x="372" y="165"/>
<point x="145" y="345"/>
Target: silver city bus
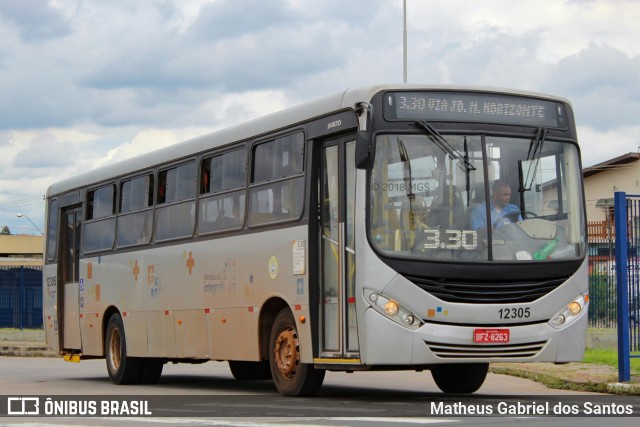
<point x="383" y="228"/>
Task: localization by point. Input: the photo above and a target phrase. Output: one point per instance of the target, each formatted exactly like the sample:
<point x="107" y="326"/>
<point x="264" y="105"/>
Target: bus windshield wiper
<point x="406" y="165"/>
<point x="533" y="157"/>
<point x="444" y="145"/>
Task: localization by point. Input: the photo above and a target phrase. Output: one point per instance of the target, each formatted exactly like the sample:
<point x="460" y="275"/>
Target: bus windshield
<point x="476" y="198"/>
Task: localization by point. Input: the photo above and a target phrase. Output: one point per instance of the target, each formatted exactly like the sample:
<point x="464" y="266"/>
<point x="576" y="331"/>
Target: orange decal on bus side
<point x="136" y="270"/>
<point x="190" y="262"/>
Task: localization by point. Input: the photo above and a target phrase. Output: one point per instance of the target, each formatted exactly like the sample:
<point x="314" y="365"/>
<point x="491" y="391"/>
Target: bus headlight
<point x="574" y="308"/>
<point x="570" y="312"/>
<point x="393" y="310"/>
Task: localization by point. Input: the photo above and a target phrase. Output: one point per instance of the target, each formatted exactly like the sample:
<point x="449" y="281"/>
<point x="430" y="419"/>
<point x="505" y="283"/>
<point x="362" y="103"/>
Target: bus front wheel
<point x="290" y="375"/>
<point x="460" y="378"/>
<point x="122" y="369"/>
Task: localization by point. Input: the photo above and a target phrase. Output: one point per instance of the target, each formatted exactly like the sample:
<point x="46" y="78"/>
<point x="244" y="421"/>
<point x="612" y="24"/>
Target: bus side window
<point x="52" y="230"/>
<point x="100" y="228"/>
<point x="176" y="199"/>
<point x="277" y="184"/>
<point x="135" y="219"/>
<point x="222" y="203"/>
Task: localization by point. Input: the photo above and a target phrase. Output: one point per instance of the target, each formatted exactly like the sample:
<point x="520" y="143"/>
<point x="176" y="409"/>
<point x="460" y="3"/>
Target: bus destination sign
<point x="474" y="107"/>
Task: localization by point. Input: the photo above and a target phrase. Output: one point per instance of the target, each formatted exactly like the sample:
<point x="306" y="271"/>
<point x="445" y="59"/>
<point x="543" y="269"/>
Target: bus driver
<point x="500" y="208"/>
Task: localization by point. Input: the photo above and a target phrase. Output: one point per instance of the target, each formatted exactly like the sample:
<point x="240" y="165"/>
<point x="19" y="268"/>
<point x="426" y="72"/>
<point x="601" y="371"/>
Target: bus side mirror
<point x="365" y="150"/>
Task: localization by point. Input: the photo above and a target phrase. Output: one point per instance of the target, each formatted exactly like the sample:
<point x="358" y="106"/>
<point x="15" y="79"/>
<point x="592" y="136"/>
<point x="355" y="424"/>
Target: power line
<point x="23" y="202"/>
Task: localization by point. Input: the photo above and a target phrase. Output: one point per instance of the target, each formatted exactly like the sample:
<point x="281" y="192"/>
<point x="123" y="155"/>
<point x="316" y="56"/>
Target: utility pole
<point x="404" y="41"/>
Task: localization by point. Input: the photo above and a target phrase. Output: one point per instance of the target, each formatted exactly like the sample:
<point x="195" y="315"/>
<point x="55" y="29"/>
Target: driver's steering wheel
<point x="512" y="217"/>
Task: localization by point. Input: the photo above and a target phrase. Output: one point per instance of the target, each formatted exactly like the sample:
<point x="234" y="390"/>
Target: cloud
<point x="44" y="151"/>
<point x="143" y="142"/>
<point x="603" y="84"/>
<point x="35" y="20"/>
<point x="251" y="51"/>
<point x="230" y="19"/>
<point x="598" y="145"/>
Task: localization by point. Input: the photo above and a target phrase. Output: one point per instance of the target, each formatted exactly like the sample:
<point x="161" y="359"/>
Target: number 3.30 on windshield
<point x="451" y="239"/>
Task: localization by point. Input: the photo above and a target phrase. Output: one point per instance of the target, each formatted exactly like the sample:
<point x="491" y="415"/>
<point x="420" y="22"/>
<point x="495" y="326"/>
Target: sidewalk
<point x="574" y="376"/>
<point x="570" y="376"/>
<point x="24" y="343"/>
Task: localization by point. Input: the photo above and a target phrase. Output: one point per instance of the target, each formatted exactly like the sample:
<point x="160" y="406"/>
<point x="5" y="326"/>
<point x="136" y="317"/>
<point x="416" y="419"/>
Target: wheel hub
<point x="114" y="350"/>
<point x="286" y="352"/>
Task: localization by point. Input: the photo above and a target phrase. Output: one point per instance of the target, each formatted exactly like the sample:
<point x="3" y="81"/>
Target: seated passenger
<point x="445" y="212"/>
<point x="500" y="208"/>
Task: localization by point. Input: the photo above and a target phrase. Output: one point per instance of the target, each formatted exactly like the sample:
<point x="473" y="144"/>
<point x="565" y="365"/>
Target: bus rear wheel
<point x="291" y="377"/>
<point x="460" y="378"/>
<point x="121" y="368"/>
<point x="151" y="370"/>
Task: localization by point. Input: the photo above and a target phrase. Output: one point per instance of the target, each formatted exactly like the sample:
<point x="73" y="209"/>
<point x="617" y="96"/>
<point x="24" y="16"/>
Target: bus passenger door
<point x="68" y="273"/>
<point x="338" y="331"/>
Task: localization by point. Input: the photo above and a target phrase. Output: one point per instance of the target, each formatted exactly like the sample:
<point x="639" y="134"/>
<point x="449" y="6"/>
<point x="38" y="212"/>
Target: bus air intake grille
<point x="503" y="351"/>
<point x="479" y="292"/>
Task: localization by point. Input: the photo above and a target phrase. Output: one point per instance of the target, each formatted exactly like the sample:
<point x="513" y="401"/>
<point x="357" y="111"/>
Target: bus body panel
<point x="49" y="302"/>
<point x="540" y="341"/>
<point x="434" y="309"/>
<point x="136" y="325"/>
<point x="194" y="300"/>
<point x="434" y="343"/>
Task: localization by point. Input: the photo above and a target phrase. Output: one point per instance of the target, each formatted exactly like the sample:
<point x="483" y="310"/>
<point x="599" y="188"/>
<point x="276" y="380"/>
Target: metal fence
<point x="627" y="225"/>
<point x="602" y="275"/>
<point x="21" y="297"/>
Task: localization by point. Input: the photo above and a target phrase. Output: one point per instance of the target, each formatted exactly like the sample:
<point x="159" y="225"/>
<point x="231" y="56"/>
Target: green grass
<point x="609" y="356"/>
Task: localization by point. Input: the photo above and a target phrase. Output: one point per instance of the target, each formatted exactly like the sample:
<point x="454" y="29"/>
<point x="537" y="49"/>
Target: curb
<point x="27" y="350"/>
<point x="563" y="382"/>
<point x="624" y="388"/>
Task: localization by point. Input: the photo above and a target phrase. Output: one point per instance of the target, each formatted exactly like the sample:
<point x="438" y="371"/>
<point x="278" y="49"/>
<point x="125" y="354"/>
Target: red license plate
<point x="491" y="335"/>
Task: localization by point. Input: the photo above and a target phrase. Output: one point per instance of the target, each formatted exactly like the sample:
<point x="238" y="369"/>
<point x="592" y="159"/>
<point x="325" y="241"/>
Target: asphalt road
<point x="207" y="394"/>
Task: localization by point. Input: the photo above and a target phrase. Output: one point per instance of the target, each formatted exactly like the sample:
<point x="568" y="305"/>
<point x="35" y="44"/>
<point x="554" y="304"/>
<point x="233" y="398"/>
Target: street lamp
<point x="24" y="216"/>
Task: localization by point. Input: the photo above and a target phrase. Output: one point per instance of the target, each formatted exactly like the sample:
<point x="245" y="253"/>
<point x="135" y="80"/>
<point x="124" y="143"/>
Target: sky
<point x="87" y="83"/>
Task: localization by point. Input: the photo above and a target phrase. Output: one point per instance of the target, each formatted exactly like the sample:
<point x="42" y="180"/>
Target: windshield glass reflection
<point x="500" y="203"/>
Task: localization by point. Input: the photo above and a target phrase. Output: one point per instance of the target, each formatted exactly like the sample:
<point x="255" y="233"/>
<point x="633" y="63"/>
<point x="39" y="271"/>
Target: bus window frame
<point x="148" y="208"/>
<point x="165" y="205"/>
<point x="266" y="183"/>
<point x="203" y="196"/>
<point x="90" y="222"/>
<point x="51" y="254"/>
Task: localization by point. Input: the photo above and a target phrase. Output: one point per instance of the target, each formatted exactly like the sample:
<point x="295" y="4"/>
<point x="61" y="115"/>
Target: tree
<point x="5" y="230"/>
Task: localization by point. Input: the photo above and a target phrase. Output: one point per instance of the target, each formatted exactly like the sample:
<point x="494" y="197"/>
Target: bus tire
<point x="460" y="378"/>
<point x="121" y="368"/>
<point x="151" y="370"/>
<point x="250" y="371"/>
<point x="291" y="377"/>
